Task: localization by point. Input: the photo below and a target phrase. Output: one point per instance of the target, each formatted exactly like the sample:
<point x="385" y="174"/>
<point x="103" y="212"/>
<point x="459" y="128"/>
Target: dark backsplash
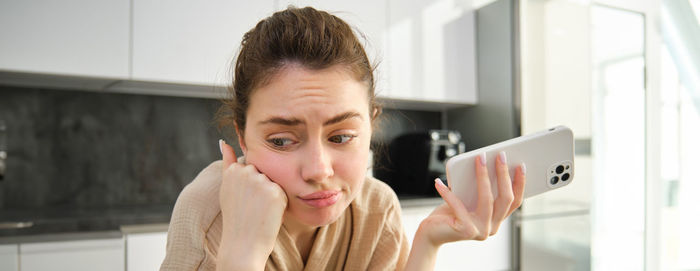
<point x="90" y="149"/>
<point x="94" y="149"/>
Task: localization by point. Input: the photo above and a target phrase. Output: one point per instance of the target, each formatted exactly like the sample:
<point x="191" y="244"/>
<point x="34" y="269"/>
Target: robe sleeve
<point x="195" y="210"/>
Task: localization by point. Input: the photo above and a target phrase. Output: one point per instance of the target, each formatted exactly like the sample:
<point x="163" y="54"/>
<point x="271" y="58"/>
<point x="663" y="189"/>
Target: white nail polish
<point x="439" y="182"/>
<point x="221" y="146"/>
<point x="523" y="168"/>
<point x="502" y="156"/>
<point x="483" y="158"/>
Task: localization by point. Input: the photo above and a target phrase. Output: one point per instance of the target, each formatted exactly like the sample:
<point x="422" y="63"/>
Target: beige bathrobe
<point x="368" y="236"/>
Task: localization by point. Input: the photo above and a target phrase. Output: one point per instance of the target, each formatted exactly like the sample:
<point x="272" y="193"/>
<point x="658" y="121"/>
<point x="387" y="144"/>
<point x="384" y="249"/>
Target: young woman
<point x="303" y="107"/>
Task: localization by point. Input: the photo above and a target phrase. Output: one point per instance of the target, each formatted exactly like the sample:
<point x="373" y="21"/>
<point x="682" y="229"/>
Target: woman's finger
<point x="460" y="211"/>
<point x="505" y="193"/>
<point x="227" y="153"/>
<point x="518" y="187"/>
<point x="484" y="207"/>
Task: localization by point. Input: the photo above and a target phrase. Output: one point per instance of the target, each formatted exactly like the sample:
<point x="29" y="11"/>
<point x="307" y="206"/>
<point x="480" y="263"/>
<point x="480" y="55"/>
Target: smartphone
<point x="548" y="156"/>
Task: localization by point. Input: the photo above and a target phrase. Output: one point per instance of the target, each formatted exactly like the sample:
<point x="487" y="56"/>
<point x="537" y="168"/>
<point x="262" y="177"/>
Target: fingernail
<point x="483" y="158"/>
<point x="439" y="182"/>
<point x="523" y="168"/>
<point x="221" y="146"/>
<point x="502" y="156"/>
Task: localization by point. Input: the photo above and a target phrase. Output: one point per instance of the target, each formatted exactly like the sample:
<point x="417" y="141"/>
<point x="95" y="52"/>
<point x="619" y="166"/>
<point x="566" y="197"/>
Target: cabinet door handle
<point x="15" y="225"/>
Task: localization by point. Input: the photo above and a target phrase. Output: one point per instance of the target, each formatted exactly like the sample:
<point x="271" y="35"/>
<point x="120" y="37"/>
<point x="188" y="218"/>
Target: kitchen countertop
<point x="415" y="202"/>
<point x="64" y="223"/>
<point x="47" y="224"/>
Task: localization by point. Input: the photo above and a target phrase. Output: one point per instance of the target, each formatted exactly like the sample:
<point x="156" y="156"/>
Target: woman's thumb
<point x="227" y="153"/>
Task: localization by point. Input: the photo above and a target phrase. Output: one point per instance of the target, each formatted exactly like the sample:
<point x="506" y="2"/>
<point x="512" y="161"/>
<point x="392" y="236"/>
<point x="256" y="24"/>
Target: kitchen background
<point x="106" y="111"/>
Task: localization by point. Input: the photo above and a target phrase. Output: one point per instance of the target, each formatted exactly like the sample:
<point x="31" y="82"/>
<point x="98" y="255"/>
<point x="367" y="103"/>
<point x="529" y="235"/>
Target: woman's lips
<point x="321" y="199"/>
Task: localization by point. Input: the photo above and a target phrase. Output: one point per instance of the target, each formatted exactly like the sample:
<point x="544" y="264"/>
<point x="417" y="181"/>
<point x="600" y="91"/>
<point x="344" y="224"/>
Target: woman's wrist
<point x="423" y="252"/>
<point x="236" y="255"/>
<point x="422" y="239"/>
<point x="238" y="259"/>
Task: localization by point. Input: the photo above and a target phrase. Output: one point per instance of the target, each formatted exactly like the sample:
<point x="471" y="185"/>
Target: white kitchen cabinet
<point x="71" y="37"/>
<point x="101" y="254"/>
<point x="491" y="254"/>
<point x="369" y="17"/>
<point x="145" y="251"/>
<point x="9" y="257"/>
<point x="190" y="42"/>
<point x="431" y="51"/>
<point x="424" y="48"/>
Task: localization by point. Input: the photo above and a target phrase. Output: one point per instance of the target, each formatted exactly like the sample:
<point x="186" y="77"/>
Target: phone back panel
<point x="548" y="156"/>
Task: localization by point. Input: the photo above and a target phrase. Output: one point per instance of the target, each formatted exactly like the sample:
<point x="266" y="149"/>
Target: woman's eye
<point x="280" y="142"/>
<point x="339" y="139"/>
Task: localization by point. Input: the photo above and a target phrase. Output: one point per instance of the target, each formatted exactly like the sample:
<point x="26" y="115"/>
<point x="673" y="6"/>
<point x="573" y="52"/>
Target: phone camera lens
<point x="560" y="169"/>
<point x="565" y="177"/>
<point x="554" y="180"/>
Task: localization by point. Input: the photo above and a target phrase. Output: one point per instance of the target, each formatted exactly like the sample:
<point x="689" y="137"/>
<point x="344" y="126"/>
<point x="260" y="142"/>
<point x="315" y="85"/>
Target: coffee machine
<point x="443" y="145"/>
<point x="412" y="161"/>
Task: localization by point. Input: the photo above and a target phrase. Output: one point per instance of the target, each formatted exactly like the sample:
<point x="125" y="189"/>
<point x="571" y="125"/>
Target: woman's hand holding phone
<point x="252" y="207"/>
<point x="452" y="221"/>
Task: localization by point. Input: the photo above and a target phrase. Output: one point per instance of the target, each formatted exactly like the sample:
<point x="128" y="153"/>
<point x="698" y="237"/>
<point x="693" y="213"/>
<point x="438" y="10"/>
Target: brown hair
<point x="311" y="38"/>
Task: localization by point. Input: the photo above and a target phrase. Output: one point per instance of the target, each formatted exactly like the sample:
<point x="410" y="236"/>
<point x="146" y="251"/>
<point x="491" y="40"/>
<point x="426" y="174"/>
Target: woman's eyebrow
<point x="341" y="117"/>
<point x="294" y="121"/>
<point x="281" y="121"/>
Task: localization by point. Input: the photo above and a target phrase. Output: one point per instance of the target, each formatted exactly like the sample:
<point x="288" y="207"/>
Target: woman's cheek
<point x="276" y="167"/>
<point x="352" y="168"/>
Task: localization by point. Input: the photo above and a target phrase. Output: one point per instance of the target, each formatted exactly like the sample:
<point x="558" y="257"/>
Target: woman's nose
<point x="317" y="166"/>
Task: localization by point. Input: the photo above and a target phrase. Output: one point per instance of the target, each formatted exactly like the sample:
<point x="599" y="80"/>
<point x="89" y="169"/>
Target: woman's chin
<point x="319" y="219"/>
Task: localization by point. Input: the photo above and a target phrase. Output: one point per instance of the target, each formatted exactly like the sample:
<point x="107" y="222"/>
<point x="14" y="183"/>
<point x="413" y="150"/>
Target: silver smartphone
<point x="548" y="156"/>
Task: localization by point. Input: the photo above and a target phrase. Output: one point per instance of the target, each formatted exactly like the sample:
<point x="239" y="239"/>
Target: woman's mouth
<point x="321" y="199"/>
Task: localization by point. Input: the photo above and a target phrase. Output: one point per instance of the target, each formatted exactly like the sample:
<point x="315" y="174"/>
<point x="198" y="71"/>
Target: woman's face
<point x="309" y="132"/>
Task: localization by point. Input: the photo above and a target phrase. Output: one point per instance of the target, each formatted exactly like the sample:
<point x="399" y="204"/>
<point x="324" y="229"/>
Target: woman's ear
<point x="376" y="112"/>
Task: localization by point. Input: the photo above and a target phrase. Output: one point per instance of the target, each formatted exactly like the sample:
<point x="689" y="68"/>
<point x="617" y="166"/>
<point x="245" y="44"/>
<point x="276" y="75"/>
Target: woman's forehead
<point x="297" y="89"/>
